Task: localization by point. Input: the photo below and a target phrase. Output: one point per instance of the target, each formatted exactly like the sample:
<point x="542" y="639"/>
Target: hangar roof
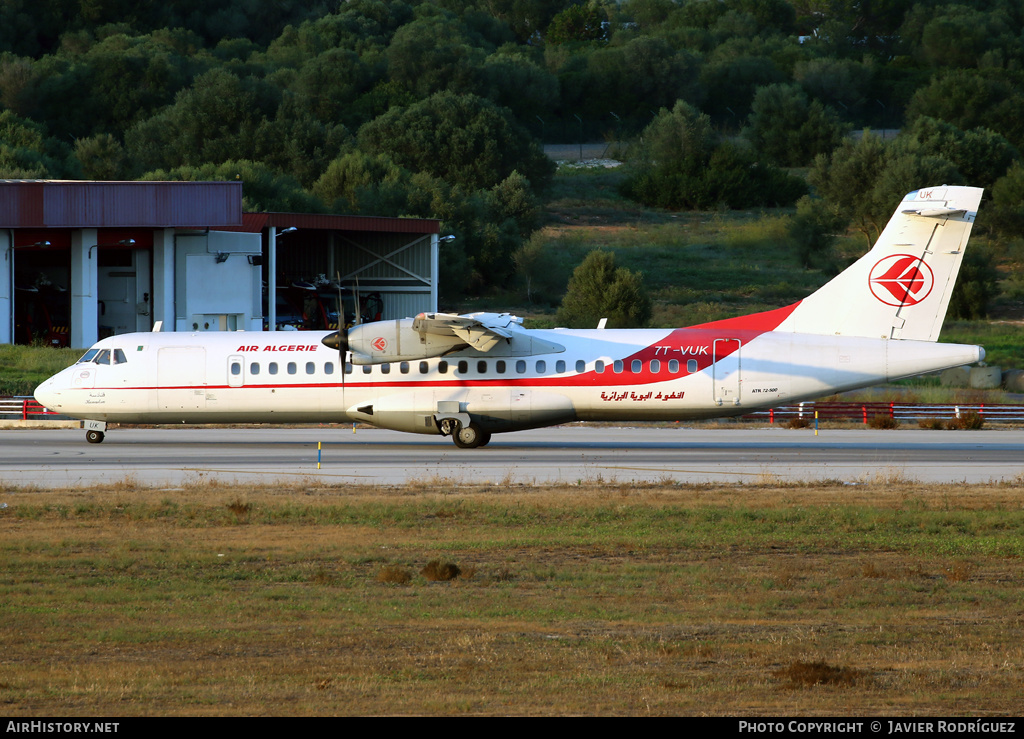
<point x="256" y="222"/>
<point x="91" y="204"/>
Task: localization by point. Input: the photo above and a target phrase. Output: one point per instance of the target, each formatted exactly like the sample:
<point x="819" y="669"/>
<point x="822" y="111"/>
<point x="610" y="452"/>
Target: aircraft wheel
<point x="470" y="437"/>
<point x="94" y="437"/>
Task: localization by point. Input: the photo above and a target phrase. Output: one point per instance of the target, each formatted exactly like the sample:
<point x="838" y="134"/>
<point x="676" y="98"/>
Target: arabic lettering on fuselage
<point x="640" y="397"/>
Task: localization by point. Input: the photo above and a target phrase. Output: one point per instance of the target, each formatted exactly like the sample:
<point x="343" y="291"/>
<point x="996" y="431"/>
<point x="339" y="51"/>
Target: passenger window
<point x="691" y="365"/>
<point x="292" y="368"/>
<point x="636" y="366"/>
<point x="673" y="366"/>
<point x="404" y="368"/>
<point x="442" y="367"/>
<point x="521" y="366"/>
<point x="349" y="369"/>
<point x="254" y="368"/>
<point x="560" y="366"/>
<point x="617" y="367"/>
<point x="481" y="367"/>
<point x="272" y="368"/>
<point x="310" y="368"/>
<point x="385" y="369"/>
<point x="500" y="366"/>
<point x="463" y="367"/>
<point x="655" y="366"/>
<point x="599" y="366"/>
<point x="581" y="366"/>
<point x="367" y="369"/>
<point x="541" y="367"/>
<point x="328" y="368"/>
<point x="236" y="368"/>
<point x="424" y="368"/>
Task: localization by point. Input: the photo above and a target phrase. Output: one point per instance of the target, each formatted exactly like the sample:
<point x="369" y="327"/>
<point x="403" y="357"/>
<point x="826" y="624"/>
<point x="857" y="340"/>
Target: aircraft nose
<point x="47" y="395"/>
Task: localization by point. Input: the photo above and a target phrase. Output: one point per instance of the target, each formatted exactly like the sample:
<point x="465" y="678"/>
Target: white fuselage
<point x="602" y="375"/>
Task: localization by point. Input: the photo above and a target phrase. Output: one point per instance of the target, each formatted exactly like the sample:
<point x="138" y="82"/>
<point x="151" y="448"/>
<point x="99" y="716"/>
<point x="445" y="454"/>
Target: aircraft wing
<point x="482" y="331"/>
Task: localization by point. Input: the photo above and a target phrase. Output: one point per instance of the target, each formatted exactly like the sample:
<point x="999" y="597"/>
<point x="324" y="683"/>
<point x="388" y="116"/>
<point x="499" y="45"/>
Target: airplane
<point x="474" y="375"/>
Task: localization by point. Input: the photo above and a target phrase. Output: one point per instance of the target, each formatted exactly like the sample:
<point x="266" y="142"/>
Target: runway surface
<point x="176" y="456"/>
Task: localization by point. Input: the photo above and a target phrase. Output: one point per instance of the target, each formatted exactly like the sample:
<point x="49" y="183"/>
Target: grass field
<point x="892" y="598"/>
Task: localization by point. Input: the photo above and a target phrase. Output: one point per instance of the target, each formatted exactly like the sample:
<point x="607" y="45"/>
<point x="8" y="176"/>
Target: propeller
<point x="338" y="340"/>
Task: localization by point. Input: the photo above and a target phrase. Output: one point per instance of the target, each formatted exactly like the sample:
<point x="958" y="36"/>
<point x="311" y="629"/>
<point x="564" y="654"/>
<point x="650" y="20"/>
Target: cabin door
<point x="726" y="372"/>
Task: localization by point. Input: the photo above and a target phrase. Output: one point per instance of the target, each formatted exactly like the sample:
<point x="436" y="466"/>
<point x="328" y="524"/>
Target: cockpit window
<point x="104" y="356"/>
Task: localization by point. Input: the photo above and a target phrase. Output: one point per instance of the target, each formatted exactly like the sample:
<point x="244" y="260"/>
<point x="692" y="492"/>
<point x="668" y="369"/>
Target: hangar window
<point x="655" y="366"/>
<point x="292" y="368"/>
<point x="272" y="368"/>
<point x="310" y="368"/>
<point x="404" y="368"/>
<point x="254" y="368"/>
<point x="673" y="365"/>
<point x="691" y="365"/>
<point x="424" y="368"/>
<point x="581" y="366"/>
<point x="521" y="366"/>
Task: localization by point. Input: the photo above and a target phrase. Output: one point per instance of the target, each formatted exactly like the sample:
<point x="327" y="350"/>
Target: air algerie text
<point x="288" y="348"/>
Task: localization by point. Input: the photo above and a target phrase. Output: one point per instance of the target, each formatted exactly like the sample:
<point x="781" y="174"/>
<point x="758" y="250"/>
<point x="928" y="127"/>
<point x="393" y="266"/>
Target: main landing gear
<point x="465" y="437"/>
<point x="94" y="437"/>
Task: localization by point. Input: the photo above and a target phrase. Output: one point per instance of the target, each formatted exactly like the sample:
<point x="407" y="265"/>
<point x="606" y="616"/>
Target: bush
<point x="969" y="421"/>
<point x="882" y="421"/>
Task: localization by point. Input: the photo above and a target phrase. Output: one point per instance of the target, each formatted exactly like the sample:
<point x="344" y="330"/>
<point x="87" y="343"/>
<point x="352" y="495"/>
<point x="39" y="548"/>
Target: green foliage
<point x="576" y="23"/>
<point x="980" y="155"/>
<point x="683" y="164"/>
<point x="814" y="230"/>
<point x="790" y="131"/>
<point x="463" y="139"/>
<point x="861" y="180"/>
<point x="263" y="189"/>
<point x="597" y="289"/>
<point x="970" y="99"/>
<point x="975" y="287"/>
<point x="1006" y="214"/>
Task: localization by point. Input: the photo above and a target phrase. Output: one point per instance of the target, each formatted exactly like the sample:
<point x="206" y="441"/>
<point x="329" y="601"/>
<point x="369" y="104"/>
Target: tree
<point x="597" y="289"/>
<point x="682" y="163"/>
<point x="790" y="131"/>
<point x="463" y="139"/>
<point x="576" y="23"/>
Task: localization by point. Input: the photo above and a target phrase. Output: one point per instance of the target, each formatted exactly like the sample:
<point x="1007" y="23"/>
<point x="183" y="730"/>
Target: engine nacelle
<point x="396" y="341"/>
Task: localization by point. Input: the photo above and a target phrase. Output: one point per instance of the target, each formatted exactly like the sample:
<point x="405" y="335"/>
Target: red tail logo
<point x="901" y="279"/>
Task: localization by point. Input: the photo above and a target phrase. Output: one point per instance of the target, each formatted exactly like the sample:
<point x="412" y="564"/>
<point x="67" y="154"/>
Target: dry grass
<point x="614" y="599"/>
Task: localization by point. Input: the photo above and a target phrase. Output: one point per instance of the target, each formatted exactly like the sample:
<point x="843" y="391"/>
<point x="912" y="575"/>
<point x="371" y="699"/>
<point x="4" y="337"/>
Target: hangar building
<point x="81" y="260"/>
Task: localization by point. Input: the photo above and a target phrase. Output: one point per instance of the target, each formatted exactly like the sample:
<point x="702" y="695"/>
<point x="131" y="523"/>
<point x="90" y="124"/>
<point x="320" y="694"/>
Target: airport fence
<point x="24" y="408"/>
<point x="864" y="412"/>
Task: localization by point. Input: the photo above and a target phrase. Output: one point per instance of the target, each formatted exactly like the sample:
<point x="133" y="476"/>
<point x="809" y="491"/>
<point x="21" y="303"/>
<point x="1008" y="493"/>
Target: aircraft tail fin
<point x="901" y="288"/>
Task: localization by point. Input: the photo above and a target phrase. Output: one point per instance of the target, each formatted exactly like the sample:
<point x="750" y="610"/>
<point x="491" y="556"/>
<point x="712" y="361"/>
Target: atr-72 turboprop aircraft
<point x="473" y="375"/>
